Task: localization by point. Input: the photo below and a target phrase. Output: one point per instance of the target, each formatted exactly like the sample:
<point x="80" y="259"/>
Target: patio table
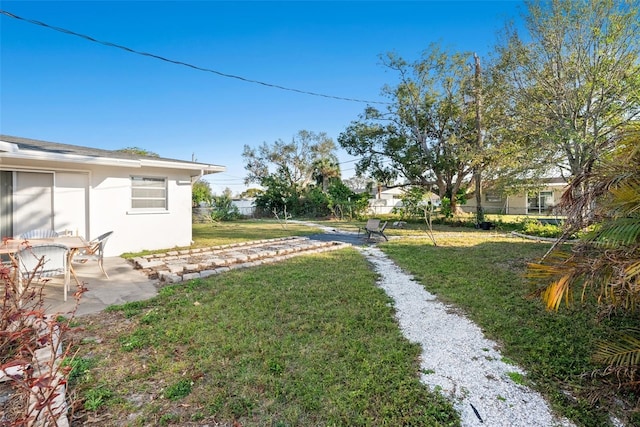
<point x="11" y="246"/>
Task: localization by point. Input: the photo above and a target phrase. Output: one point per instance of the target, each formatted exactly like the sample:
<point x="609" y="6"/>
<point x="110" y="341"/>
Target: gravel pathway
<point x="456" y="357"/>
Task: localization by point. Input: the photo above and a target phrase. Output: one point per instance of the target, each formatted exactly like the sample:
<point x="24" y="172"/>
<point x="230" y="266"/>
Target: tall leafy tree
<point x="573" y="81"/>
<point x="359" y="183"/>
<point x="251" y="192"/>
<point x="201" y="193"/>
<point x="326" y="169"/>
<point x="427" y="133"/>
<point x="292" y="161"/>
<point x="285" y="170"/>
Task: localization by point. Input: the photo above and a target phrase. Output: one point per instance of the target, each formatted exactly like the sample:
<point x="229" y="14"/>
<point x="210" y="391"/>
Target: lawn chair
<point x="373" y="227"/>
<point x="39" y="234"/>
<point x="94" y="252"/>
<point x="45" y="260"/>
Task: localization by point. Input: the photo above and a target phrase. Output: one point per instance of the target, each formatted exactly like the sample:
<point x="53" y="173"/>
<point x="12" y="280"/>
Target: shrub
<point x="38" y="377"/>
<point x="224" y="209"/>
<point x="535" y="228"/>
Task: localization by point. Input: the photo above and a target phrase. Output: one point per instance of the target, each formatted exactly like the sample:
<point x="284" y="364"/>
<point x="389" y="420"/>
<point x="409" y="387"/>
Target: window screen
<point x="148" y="193"/>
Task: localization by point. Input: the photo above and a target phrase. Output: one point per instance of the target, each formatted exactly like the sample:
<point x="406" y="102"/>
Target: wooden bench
<point x="373" y="227"/>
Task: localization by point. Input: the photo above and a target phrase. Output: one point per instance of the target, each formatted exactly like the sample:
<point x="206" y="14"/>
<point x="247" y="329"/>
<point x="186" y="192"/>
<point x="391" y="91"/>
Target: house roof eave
<point x="29" y="149"/>
<point x="202" y="168"/>
<point x="71" y="158"/>
<point x="8" y="147"/>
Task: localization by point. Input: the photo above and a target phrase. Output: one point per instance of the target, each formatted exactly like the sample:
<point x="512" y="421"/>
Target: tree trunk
<point x="477" y="169"/>
<point x="454" y="205"/>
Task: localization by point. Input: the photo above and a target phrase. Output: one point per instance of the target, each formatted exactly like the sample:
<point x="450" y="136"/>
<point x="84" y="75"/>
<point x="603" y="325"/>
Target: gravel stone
<point x="457" y="359"/>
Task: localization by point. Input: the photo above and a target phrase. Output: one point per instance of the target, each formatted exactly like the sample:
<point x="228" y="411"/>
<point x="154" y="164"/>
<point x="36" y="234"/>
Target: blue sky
<point x="62" y="88"/>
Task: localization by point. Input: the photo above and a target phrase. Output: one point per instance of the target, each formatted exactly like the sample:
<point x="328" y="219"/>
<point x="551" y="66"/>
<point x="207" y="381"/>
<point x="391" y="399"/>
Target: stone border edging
<point x="189" y="264"/>
<point x="542" y="239"/>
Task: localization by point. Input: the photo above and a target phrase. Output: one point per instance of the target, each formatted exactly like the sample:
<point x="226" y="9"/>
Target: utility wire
<point x="185" y="64"/>
<point x="349" y="161"/>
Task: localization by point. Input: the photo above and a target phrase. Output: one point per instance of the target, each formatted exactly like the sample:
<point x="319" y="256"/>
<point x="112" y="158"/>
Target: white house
<point x="540" y="201"/>
<point x="385" y="201"/>
<point x="144" y="200"/>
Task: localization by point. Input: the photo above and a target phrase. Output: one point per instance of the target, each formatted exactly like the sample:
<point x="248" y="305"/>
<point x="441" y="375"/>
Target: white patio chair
<point x="95" y="252"/>
<point x="41" y="233"/>
<point x="45" y="260"/>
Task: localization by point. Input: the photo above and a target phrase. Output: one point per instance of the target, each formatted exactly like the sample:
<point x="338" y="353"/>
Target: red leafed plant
<point x="32" y="350"/>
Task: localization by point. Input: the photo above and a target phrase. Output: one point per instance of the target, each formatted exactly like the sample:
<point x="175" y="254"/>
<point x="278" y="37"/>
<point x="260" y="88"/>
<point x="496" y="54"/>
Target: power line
<point x="230" y="176"/>
<point x="349" y="161"/>
<point x="185" y="64"/>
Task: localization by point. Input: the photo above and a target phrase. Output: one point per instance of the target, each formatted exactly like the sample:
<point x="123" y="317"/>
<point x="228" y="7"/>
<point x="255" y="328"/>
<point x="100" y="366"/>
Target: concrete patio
<point x="125" y="284"/>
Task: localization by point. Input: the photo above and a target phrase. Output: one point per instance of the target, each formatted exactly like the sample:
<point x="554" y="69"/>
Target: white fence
<point x="248" y="209"/>
<point x="245" y="206"/>
<point x="203" y="213"/>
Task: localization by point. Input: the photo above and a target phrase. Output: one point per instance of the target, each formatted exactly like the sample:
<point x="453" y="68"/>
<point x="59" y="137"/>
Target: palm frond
<point x="605" y="262"/>
<point x="626" y="197"/>
<point x="623" y="351"/>
<point x="543" y="271"/>
<point x="632" y="270"/>
<point x="618" y="232"/>
<point x="555" y="264"/>
<point x="556" y="292"/>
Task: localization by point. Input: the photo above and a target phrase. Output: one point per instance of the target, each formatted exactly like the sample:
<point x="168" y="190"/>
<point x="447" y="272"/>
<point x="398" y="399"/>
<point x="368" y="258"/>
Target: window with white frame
<point x="492" y="196"/>
<point x="546" y="199"/>
<point x="539" y="202"/>
<point x="148" y="193"/>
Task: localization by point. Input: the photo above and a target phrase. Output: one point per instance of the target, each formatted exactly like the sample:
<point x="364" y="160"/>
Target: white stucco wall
<point x="383" y="206"/>
<point x="97" y="199"/>
<point x="137" y="230"/>
<point x="70" y="208"/>
<point x="87" y="191"/>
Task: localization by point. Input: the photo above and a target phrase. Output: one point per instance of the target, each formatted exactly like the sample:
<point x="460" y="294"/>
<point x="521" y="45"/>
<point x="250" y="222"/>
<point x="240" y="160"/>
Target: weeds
<point x="179" y="390"/>
<point x="517" y="377"/>
<point x="96" y="398"/>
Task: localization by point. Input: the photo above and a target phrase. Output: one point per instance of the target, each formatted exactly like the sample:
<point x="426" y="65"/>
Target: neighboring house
<point x="385" y="200"/>
<point x="145" y="200"/>
<point x="539" y="202"/>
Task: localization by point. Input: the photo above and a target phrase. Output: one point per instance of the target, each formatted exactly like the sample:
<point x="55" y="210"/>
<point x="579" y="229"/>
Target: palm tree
<point x="606" y="262"/>
<point x="324" y="169"/>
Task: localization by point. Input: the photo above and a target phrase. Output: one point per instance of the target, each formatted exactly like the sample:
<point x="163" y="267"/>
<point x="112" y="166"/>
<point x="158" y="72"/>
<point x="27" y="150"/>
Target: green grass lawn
<point x="228" y="232"/>
<point x="222" y="233"/>
<point x="482" y="274"/>
<point x="307" y="342"/>
<point x="312" y="341"/>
